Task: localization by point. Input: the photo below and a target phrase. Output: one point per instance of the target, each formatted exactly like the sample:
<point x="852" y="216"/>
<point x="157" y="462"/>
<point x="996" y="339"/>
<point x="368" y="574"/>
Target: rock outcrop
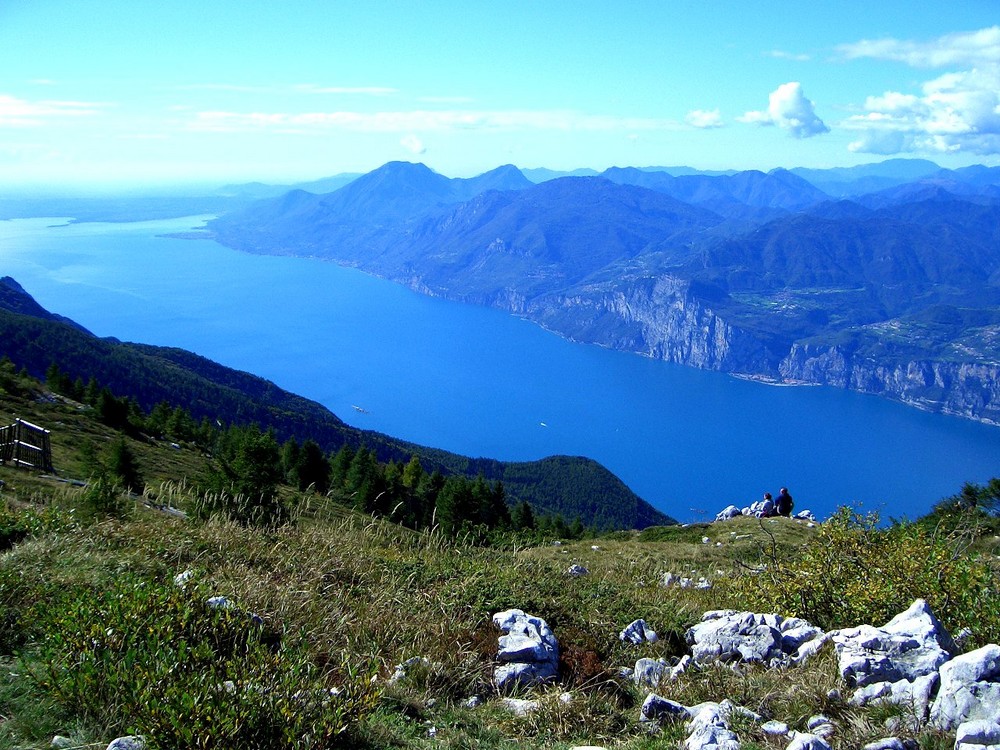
<point x="962" y="388"/>
<point x="970" y="689"/>
<point x="911" y="645"/>
<point x="909" y="662"/>
<point x="637" y="632"/>
<point x="529" y="652"/>
<point x="730" y="636"/>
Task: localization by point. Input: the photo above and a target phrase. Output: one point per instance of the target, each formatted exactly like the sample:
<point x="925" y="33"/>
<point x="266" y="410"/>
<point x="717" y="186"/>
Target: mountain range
<point x="880" y="278"/>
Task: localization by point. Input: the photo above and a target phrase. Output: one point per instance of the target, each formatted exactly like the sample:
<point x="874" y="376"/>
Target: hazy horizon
<point x="102" y="92"/>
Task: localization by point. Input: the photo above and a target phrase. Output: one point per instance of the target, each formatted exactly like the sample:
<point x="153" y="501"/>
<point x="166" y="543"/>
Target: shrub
<point x="854" y="573"/>
<point x="104" y="497"/>
<point x="154" y="659"/>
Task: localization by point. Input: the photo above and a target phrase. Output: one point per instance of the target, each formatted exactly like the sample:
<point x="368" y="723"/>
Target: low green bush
<point x="855" y="572"/>
<point x="104" y="497"/>
<point x="154" y="659"/>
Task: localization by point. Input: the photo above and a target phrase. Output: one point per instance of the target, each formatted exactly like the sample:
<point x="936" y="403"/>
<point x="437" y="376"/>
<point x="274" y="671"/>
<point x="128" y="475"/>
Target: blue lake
<point x="484" y="383"/>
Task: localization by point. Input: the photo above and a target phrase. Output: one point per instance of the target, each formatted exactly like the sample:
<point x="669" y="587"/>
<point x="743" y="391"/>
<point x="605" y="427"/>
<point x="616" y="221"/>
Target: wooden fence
<point x="26" y="445"/>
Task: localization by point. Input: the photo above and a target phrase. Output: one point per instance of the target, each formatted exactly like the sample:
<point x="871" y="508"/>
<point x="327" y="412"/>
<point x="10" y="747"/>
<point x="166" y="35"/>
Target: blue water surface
<point x="481" y="382"/>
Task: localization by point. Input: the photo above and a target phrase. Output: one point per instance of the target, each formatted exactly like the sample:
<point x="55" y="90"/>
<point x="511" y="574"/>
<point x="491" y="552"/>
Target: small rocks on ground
<point x="648" y="672"/>
<point x="774" y="728"/>
<point x="637" y="632"/>
<point x="519" y="706"/>
<point x="181" y="579"/>
<point x="978" y="735"/>
<point x="401" y="670"/>
<point x="131" y="742"/>
<point x="806" y="741"/>
<point x="657" y="708"/>
<point x="892" y="743"/>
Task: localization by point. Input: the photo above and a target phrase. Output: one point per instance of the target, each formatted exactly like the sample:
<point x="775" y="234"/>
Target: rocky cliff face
<point x="661" y="319"/>
<point x="677" y="327"/>
<point x="966" y="389"/>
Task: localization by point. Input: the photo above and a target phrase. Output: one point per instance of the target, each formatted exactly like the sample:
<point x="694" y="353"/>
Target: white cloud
<point x="297" y="88"/>
<point x="967" y="48"/>
<point x="16" y="112"/>
<point x="311" y="88"/>
<point x="413" y="144"/>
<point x="789" y="109"/>
<point x="700" y="118"/>
<point x="954" y="112"/>
<point x="782" y="55"/>
<point x="423" y="121"/>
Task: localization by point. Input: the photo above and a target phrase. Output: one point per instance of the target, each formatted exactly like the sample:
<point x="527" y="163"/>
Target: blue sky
<point x="225" y="90"/>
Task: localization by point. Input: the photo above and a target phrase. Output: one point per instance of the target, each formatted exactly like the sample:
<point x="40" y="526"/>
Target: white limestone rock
<point x="737" y="636"/>
<point x="727" y="513"/>
<point x="912" y="644"/>
<point x="892" y="743"/>
<point x="656" y="709"/>
<point x="637" y="632"/>
<point x="806" y="741"/>
<point x="519" y="706"/>
<point x="181" y="579"/>
<point x="709" y="727"/>
<point x="774" y="728"/>
<point x="131" y="742"/>
<point x="915" y="696"/>
<point x="401" y="670"/>
<point x="978" y="735"/>
<point x="529" y="650"/>
<point x="648" y="672"/>
<point x="970" y="689"/>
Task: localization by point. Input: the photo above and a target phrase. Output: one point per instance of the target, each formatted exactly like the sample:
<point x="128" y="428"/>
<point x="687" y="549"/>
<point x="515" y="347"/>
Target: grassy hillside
<point x="97" y="640"/>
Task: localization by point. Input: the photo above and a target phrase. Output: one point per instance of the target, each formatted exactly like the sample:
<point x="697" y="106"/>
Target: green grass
<point x="343" y="596"/>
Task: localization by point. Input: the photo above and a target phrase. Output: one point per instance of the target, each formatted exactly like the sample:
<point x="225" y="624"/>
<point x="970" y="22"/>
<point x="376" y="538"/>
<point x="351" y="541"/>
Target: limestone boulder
<point x="529" y="652"/>
<point x="730" y="636"/>
<point x="911" y="645"/>
<point x="658" y="709"/>
<point x="978" y="735"/>
<point x="970" y="689"/>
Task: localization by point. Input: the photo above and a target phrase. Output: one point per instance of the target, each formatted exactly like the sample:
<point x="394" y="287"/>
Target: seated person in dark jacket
<point x="783" y="503"/>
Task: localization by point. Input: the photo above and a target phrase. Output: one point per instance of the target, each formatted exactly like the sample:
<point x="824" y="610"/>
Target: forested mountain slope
<point x="35" y="339"/>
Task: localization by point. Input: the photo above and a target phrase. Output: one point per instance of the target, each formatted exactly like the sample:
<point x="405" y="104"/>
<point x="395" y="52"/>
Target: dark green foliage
<point x="120" y="463"/>
<point x="974" y="510"/>
<point x="11" y="381"/>
<point x="156" y="659"/>
<point x="248" y="472"/>
<point x="113" y="411"/>
<point x="105" y="497"/>
<point x="522" y="517"/>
